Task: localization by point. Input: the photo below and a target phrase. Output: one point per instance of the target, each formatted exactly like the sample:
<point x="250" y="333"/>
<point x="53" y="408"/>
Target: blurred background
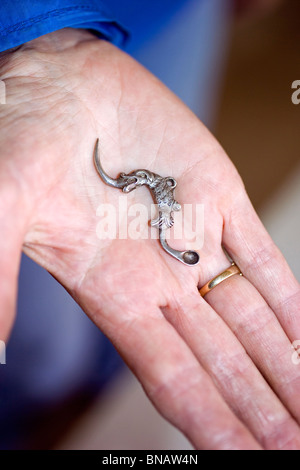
<point x="258" y="125"/>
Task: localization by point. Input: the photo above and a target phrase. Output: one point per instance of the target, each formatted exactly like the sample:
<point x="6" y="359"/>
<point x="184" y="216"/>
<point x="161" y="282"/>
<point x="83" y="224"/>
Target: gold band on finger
<point x="231" y="271"/>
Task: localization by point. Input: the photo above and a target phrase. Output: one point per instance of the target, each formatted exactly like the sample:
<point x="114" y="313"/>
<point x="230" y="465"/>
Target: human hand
<point x="219" y="369"/>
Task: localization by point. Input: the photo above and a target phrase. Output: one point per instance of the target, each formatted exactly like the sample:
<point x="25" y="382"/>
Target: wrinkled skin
<point x="219" y="369"/>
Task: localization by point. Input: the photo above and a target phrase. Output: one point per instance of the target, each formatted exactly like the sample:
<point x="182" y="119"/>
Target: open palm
<point x="219" y="369"/>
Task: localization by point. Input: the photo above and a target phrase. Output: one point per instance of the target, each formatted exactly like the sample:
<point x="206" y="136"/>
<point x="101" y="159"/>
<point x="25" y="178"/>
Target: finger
<point x="173" y="379"/>
<point x="237" y="378"/>
<point x="249" y="244"/>
<point x="255" y="325"/>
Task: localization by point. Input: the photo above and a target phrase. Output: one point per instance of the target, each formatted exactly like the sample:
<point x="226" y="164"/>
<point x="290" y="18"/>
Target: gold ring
<point x="231" y="271"/>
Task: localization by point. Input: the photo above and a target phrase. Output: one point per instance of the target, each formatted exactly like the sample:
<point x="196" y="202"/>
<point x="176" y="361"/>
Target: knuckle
<point x="284" y="435"/>
<point x="262" y="257"/>
<point x="180" y="385"/>
<point x="254" y="321"/>
<point x="232" y="438"/>
<point x="289" y="306"/>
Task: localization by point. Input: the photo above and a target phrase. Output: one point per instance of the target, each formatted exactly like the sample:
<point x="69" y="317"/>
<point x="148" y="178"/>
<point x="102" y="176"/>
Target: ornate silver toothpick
<point x="162" y="190"/>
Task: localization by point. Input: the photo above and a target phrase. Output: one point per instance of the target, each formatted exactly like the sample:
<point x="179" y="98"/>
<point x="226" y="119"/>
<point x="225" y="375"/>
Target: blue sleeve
<point x="23" y="21"/>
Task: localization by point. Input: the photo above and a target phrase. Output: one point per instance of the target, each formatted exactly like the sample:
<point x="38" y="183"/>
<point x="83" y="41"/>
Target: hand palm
<point x="145" y="301"/>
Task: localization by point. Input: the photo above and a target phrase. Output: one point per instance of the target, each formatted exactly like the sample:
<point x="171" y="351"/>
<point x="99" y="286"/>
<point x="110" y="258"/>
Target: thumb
<point x="11" y="239"/>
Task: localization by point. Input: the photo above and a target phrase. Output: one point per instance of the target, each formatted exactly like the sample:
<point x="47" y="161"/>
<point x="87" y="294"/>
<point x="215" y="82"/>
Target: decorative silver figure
<point x="162" y="190"/>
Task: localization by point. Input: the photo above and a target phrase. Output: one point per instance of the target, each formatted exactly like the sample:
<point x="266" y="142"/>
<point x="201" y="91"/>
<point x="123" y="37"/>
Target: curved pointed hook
<point x="128" y="182"/>
<point x="104" y="176"/>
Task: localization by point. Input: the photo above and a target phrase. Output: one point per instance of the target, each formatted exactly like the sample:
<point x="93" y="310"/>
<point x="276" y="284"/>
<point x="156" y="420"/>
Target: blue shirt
<point x="125" y="23"/>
